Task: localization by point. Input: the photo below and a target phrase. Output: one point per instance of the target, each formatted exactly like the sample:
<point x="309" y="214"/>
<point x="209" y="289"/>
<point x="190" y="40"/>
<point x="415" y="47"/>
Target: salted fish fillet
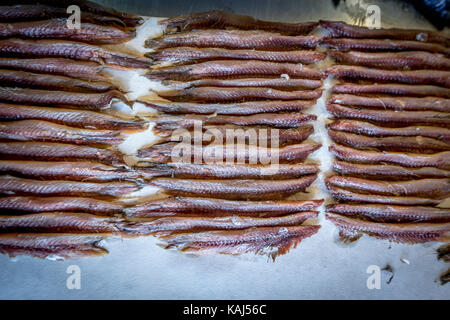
<point x="90" y="7"/>
<point x="347" y="195"/>
<point x="387" y="171"/>
<point x="52" y="246"/>
<point x="28" y="12"/>
<point x="68" y="170"/>
<point x="70" y="50"/>
<point x="57" y="28"/>
<point x="95" y="101"/>
<point x="59" y="222"/>
<point x="229" y="153"/>
<point x="224" y="171"/>
<point x="189" y="121"/>
<point x="395" y="103"/>
<point x="238" y="94"/>
<point x="184" y="55"/>
<point x="221" y="20"/>
<point x="233" y="39"/>
<point x="38" y="130"/>
<point x="392" y="89"/>
<point x="395" y="143"/>
<point x="234" y="108"/>
<point x="272" y="241"/>
<point x="238" y="189"/>
<point x="233" y="68"/>
<point x="28" y="204"/>
<point x="409" y="60"/>
<point x="413" y="160"/>
<point x="429" y="77"/>
<point x="391" y="213"/>
<point x="390" y="116"/>
<point x="276" y="83"/>
<point x="70" y="117"/>
<point x="219" y="207"/>
<point x="10" y="186"/>
<point x="369" y="129"/>
<point x="345" y="44"/>
<point x="85" y="70"/>
<point x="432" y="188"/>
<point x="260" y="135"/>
<point x="341" y="29"/>
<point x="16" y="78"/>
<point x="58" y="152"/>
<point x="411" y="233"/>
<point x="197" y="223"/>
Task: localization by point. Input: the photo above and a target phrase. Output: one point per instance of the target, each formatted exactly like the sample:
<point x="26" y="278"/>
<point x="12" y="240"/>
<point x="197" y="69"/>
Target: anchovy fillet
<point x="235" y="153"/>
<point x="38" y="130"/>
<point x="54" y="246"/>
<point x="57" y="152"/>
<point x="183" y="55"/>
<point x="389" y="117"/>
<point x="85" y="70"/>
<point x="59" y="222"/>
<point x="13" y="205"/>
<point x="344" y="44"/>
<point x="63" y="170"/>
<point x="198" y="223"/>
<point x="69" y="50"/>
<point x="234" y="189"/>
<point x="10" y="186"/>
<point x="233" y="39"/>
<point x="352" y="229"/>
<point x="276" y="83"/>
<point x="278" y="120"/>
<point x="39" y="12"/>
<point x="57" y="29"/>
<point x="223" y="94"/>
<point x="429" y="77"/>
<point x="221" y="20"/>
<point x="369" y="129"/>
<point x="396" y="103"/>
<point x="395" y="143"/>
<point x="346" y="195"/>
<point x="414" y="160"/>
<point x="398" y="60"/>
<point x="233" y="68"/>
<point x="392" y="88"/>
<point x="237" y="108"/>
<point x="340" y="29"/>
<point x="272" y="241"/>
<point x="219" y="207"/>
<point x="387" y="172"/>
<point x="391" y="213"/>
<point x="224" y="171"/>
<point x="91" y="7"/>
<point x="261" y="136"/>
<point x="15" y="78"/>
<point x="71" y="117"/>
<point x="432" y="188"/>
<point x="95" y="101"/>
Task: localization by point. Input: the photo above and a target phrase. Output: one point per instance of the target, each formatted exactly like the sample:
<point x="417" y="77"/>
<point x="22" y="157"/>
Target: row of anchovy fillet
<point x="390" y="122"/>
<point x="61" y="173"/>
<point x="390" y="132"/>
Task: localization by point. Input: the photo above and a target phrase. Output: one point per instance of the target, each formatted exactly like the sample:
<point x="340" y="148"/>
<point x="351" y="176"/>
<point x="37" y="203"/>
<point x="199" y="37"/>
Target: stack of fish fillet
<point x="60" y="172"/>
<point x="63" y="182"/>
<point x="391" y="133"/>
<point x="229" y="74"/>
